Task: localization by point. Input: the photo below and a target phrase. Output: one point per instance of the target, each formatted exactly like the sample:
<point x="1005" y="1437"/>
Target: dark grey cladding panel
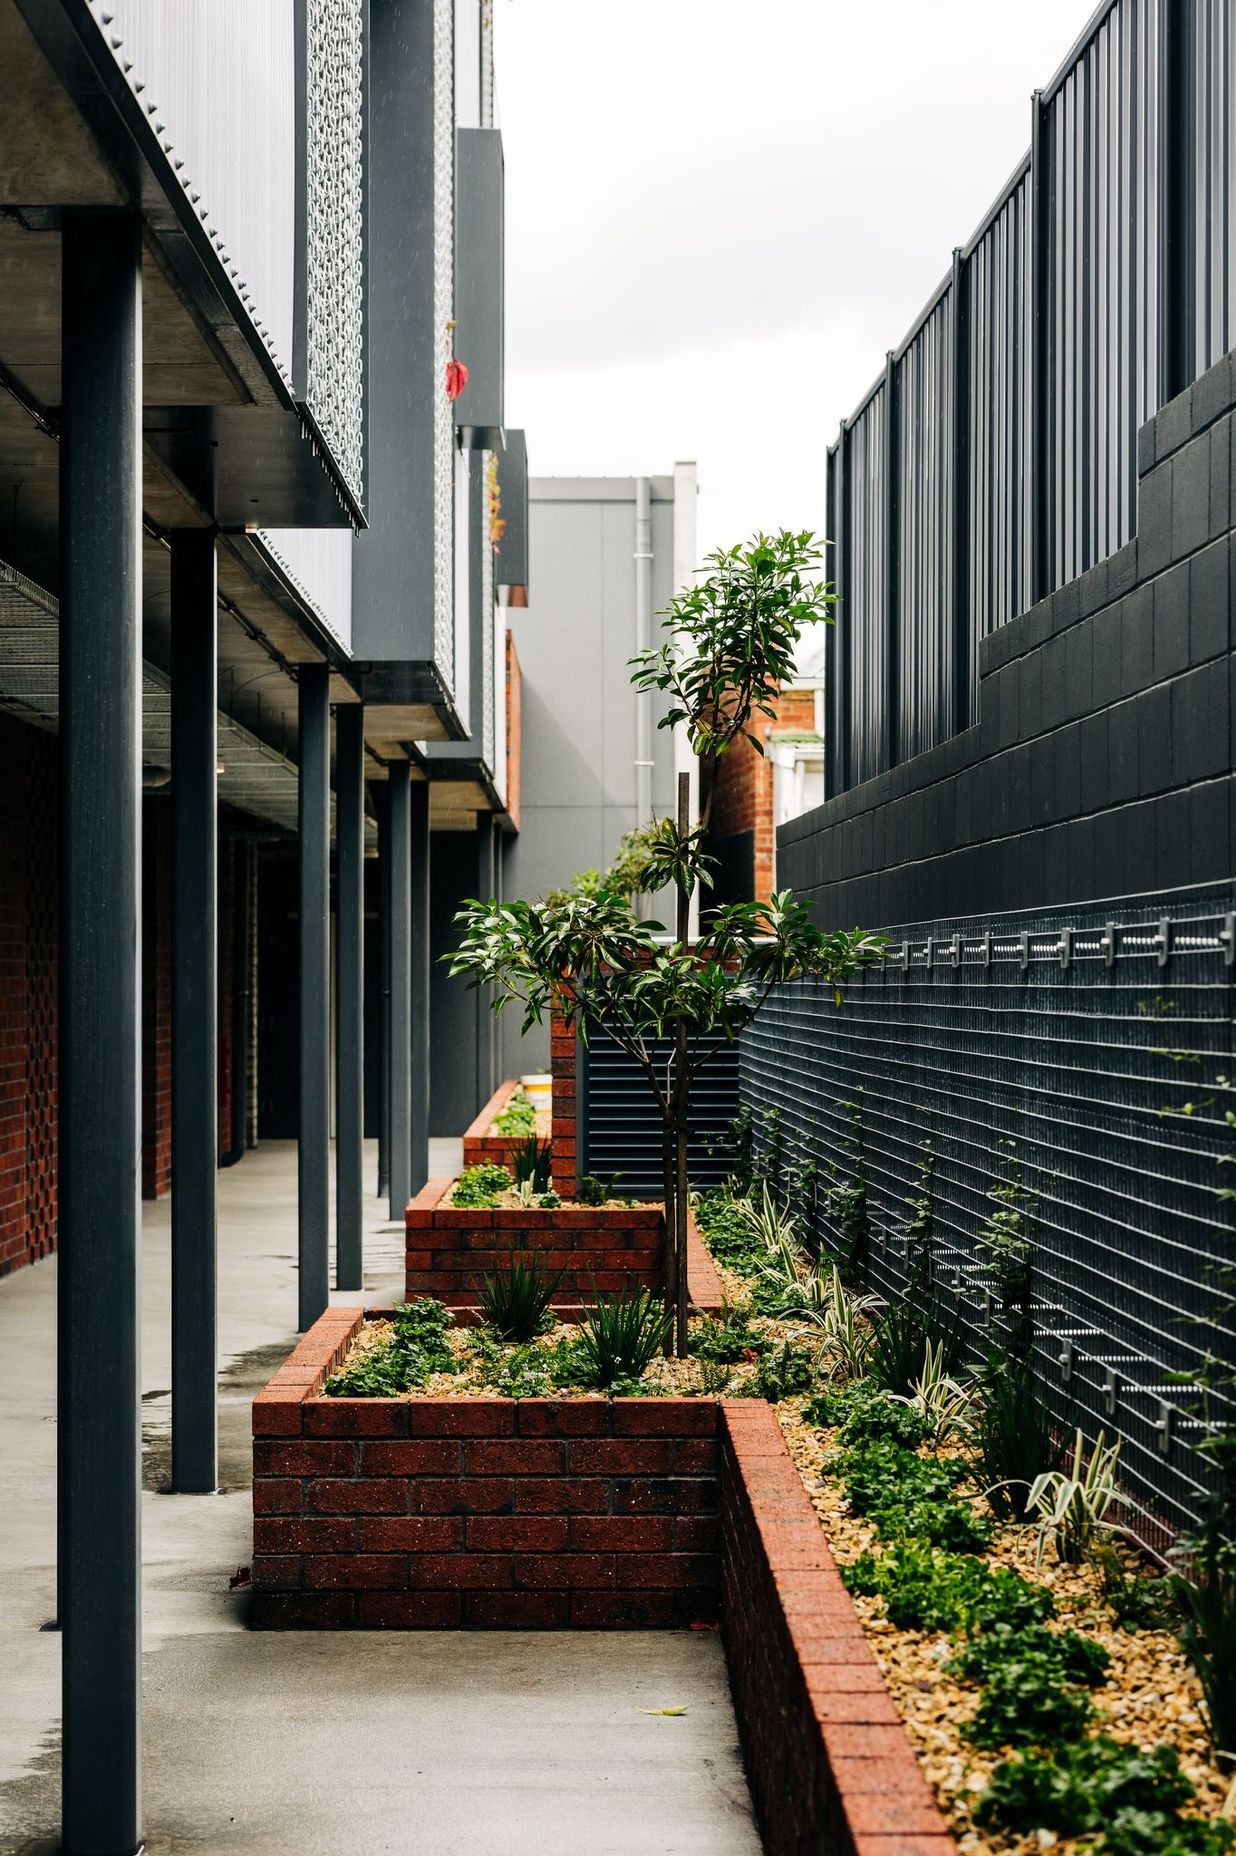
<point x="479" y="262"/>
<point x="393" y="563"/>
<point x="512" y="556"/>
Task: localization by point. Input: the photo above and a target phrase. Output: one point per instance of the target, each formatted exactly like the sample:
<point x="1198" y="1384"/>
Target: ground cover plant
<point x="517" y="1118"/>
<point x="1035" y="1659"/>
<point x="523" y="1185"/>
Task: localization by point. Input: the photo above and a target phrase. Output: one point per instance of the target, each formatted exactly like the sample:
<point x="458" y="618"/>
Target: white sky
<point x="721" y="213"/>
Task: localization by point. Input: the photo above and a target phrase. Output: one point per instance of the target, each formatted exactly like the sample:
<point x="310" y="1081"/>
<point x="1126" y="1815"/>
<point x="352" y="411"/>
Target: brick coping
<point x="479" y="1140"/>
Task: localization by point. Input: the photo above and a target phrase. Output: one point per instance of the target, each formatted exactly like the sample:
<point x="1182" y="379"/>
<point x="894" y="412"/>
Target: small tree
<point x="730" y="648"/>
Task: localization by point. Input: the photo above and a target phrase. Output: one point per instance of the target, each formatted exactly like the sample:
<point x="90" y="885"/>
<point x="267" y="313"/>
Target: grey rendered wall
<point x="574" y="639"/>
<point x="1101" y="764"/>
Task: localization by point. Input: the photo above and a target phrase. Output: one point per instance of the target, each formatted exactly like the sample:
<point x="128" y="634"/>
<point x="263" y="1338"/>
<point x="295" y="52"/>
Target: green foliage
<point x="481" y="1185"/>
<point x="592" y="1190"/>
<point x="1073" y="1503"/>
<point x="1005" y="1244"/>
<point x="517" y="1118"/>
<point x="1099" y="1785"/>
<point x="516" y="1300"/>
<point x="1026" y="1704"/>
<point x="1136" y="1601"/>
<point x="1068" y="1655"/>
<point x="782" y="1372"/>
<point x="727" y="1341"/>
<point x="864" y="1412"/>
<point x="620" y="1338"/>
<point x="732" y="639"/>
<point x="533" y="1161"/>
<point x="623" y="877"/>
<point x="416" y="1349"/>
<point x="1012" y="1436"/>
<point x="727" y="1232"/>
<point x="1207" y="1598"/>
<point x="904" y="1335"/>
<point x="924" y="1588"/>
<point x="909" y="1497"/>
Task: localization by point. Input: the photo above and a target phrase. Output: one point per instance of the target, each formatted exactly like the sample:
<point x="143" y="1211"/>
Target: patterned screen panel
<point x="444" y="310"/>
<point x="334" y="229"/>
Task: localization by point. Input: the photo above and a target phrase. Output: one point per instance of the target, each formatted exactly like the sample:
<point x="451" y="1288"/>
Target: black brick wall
<point x="1101" y="764"/>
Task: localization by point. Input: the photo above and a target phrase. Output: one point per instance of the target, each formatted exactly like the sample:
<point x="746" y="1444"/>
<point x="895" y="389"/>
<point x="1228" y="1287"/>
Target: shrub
<point x="863" y="1412"/>
<point x="926" y="1589"/>
<point x="516" y="1300"/>
<point x="1072" y="1504"/>
<point x="1027" y="1702"/>
<point x="592" y="1190"/>
<point x="1136" y="1600"/>
<point x="1207" y="1599"/>
<point x="532" y="1162"/>
<point x="1074" y="1658"/>
<point x="727" y="1341"/>
<point x="904" y="1334"/>
<point x="782" y="1373"/>
<point x="481" y="1185"/>
<point x="884" y="1474"/>
<point x="620" y="1338"/>
<point x="1097" y="1784"/>
<point x="518" y="1117"/>
<point x="416" y="1349"/>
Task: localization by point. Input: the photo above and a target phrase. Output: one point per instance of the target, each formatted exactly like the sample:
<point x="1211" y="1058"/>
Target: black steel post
<point x="1040" y="351"/>
<point x="99" y="1383"/>
<point x="242" y="996"/>
<point x="419" y="935"/>
<point x="313" y="1147"/>
<point x="891" y="517"/>
<point x="381" y="805"/>
<point x="1177" y="202"/>
<point x="195" y="1089"/>
<point x="350" y="1008"/>
<point x="959" y="472"/>
<point x="486" y="883"/>
<point x="832" y="784"/>
<point x="400" y="1035"/>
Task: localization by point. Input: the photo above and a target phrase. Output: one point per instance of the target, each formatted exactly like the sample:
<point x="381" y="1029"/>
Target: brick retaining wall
<point x="827" y="1756"/>
<point x="480" y="1144"/>
<point x="483" y="1512"/>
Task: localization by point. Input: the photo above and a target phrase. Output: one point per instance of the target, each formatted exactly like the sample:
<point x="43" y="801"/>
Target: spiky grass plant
<point x="516" y="1300"/>
<point x="621" y="1337"/>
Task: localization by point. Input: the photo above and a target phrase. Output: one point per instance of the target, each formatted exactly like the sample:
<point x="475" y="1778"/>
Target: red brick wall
<point x="827" y="1756"/>
<point x="484" y="1512"/>
<point x="156" y="996"/>
<point x="29" y="814"/>
<point x="744" y="795"/>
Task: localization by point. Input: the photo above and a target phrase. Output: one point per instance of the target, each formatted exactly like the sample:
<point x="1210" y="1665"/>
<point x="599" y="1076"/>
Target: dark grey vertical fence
<point x="996" y="457"/>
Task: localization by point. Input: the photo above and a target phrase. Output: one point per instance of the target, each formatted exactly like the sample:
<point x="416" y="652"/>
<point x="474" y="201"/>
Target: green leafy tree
<point x="730" y="647"/>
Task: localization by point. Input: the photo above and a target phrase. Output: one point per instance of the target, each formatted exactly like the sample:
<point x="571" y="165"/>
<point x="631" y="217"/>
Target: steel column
<point x="959" y="475"/>
<point x="350" y="981"/>
<point x="486" y="884"/>
<point x="1039" y="334"/>
<point x="832" y="641"/>
<point x="419" y="866"/>
<point x="381" y="806"/>
<point x="99" y="1383"/>
<point x="195" y="1086"/>
<point x="313" y="1146"/>
<point x="400" y="1035"/>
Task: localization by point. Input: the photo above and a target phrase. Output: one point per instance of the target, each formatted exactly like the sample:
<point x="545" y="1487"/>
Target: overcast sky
<point x="721" y="213"/>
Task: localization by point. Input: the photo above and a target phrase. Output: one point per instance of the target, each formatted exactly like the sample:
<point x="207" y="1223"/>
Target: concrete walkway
<point x="307" y="1744"/>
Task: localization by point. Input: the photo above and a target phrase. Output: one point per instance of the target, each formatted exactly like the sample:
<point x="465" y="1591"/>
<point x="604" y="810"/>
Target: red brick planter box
<point x="829" y="1763"/>
<point x="450" y="1250"/>
<point x="480" y="1144"/>
<point x="484" y="1512"/>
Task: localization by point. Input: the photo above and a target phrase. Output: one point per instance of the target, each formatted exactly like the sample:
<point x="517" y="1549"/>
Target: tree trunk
<point x="681" y="1207"/>
<point x="669" y="1239"/>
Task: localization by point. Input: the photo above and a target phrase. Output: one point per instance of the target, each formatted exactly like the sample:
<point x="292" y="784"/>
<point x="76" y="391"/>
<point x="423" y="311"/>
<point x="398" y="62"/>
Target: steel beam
<point x="419" y="927"/>
<point x="1041" y="469"/>
<point x="890" y="517"/>
<point x="195" y="1088"/>
<point x="400" y="1034"/>
<point x="350" y="981"/>
<point x="959" y="478"/>
<point x="99" y="1383"/>
<point x="313" y="1146"/>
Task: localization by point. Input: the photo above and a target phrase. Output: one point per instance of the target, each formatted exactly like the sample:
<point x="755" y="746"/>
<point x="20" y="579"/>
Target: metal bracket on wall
<point x="1023" y="949"/>
<point x="955" y="946"/>
<point x="1065" y="948"/>
<point x="1227" y="940"/>
<point x="1107" y="942"/>
<point x="985" y="953"/>
<point x="1162" y="942"/>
